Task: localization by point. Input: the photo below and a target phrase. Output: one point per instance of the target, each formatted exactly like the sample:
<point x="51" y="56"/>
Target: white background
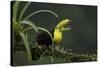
<point x="5" y="33"/>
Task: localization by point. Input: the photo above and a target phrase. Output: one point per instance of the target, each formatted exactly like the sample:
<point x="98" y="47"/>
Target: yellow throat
<point x="57" y="36"/>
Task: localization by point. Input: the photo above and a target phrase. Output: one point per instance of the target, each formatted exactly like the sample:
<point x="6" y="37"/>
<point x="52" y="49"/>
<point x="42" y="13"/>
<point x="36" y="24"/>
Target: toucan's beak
<point x="65" y="25"/>
<point x="65" y="29"/>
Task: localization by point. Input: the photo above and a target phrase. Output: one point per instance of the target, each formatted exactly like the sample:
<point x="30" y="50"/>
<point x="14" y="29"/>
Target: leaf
<point x="39" y="11"/>
<point x="15" y="7"/>
<point x="31" y="24"/>
<point x="26" y="43"/>
<point x="24" y="9"/>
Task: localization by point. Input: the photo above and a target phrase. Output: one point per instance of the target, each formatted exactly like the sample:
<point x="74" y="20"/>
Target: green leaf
<point x="39" y="11"/>
<point x="26" y="43"/>
<point x="24" y="9"/>
<point x="15" y="7"/>
<point x="31" y="24"/>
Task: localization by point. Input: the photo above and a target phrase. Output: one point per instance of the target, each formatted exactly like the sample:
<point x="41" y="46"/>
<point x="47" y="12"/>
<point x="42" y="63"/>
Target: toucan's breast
<point x="57" y="36"/>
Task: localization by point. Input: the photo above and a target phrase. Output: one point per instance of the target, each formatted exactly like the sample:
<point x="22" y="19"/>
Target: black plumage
<point x="43" y="39"/>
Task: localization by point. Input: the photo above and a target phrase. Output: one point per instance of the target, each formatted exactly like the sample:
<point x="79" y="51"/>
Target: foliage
<point x="20" y="32"/>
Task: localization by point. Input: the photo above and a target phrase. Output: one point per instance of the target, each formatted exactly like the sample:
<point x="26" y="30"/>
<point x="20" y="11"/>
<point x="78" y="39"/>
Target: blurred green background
<point x="83" y="36"/>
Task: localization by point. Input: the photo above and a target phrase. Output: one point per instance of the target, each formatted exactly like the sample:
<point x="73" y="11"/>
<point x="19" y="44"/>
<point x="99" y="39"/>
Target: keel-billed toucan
<point x="44" y="40"/>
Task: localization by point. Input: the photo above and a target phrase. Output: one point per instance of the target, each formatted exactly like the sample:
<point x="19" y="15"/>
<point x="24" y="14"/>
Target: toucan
<point x="44" y="40"/>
